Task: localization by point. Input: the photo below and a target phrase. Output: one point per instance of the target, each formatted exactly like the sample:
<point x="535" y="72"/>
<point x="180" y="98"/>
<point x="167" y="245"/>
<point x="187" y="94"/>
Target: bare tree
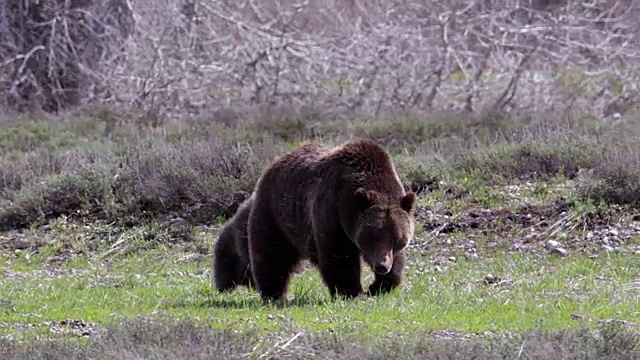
<point x="344" y="55"/>
<point x="50" y="49"/>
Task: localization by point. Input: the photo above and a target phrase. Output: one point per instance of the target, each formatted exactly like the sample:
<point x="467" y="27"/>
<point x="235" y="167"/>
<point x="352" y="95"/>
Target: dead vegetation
<point x="184" y="340"/>
<point x="199" y="171"/>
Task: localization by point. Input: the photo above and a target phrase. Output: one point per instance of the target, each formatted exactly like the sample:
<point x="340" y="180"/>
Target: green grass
<point x="538" y="291"/>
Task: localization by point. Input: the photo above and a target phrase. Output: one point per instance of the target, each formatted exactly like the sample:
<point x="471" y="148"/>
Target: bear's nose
<point x="381" y="268"/>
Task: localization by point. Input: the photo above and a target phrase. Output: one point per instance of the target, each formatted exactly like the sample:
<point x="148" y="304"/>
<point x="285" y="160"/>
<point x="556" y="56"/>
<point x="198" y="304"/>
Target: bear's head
<point x="385" y="227"/>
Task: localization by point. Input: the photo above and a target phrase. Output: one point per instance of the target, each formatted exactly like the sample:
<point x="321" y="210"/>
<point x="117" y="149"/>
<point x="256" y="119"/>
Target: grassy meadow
<point x="527" y="245"/>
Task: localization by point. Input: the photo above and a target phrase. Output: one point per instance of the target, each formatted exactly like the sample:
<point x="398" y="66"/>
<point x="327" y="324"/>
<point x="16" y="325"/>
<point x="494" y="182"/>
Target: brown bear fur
<point x="334" y="206"/>
<point x="231" y="265"/>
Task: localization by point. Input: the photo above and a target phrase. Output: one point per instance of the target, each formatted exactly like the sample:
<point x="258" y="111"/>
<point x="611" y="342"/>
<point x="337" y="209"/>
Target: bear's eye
<point x="400" y="244"/>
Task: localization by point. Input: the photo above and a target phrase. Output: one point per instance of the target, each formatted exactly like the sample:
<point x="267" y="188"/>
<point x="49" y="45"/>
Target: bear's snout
<point x="383" y="264"/>
<point x="381" y="268"/>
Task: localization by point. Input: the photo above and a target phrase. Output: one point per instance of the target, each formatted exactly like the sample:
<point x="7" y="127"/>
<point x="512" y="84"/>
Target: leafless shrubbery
<point x="196" y="180"/>
<point x="345" y="55"/>
<point x="54" y="54"/>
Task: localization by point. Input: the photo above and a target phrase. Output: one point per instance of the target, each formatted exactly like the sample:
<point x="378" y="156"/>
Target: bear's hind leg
<point x="273" y="258"/>
<point x="245" y="275"/>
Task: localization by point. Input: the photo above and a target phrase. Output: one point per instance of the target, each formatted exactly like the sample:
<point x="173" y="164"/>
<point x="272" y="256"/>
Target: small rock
<point x="490" y="279"/>
<point x="577" y="317"/>
<point x="550" y="245"/>
<point x="452" y="258"/>
<point x="559" y="251"/>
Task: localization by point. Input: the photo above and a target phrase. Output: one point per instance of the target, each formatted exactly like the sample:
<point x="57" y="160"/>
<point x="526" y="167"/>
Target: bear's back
<point x="369" y="165"/>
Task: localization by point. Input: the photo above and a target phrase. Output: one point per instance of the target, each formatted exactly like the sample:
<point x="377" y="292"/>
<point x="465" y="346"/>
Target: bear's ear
<point x="364" y="197"/>
<point x="407" y="202"/>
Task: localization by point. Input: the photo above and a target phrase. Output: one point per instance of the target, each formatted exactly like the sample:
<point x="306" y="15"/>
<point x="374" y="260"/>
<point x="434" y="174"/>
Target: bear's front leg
<point x="385" y="283"/>
<point x="340" y="267"/>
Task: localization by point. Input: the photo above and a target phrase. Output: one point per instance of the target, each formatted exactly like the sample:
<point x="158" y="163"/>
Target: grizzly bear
<point x="336" y="207"/>
<point x="231" y="266"/>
